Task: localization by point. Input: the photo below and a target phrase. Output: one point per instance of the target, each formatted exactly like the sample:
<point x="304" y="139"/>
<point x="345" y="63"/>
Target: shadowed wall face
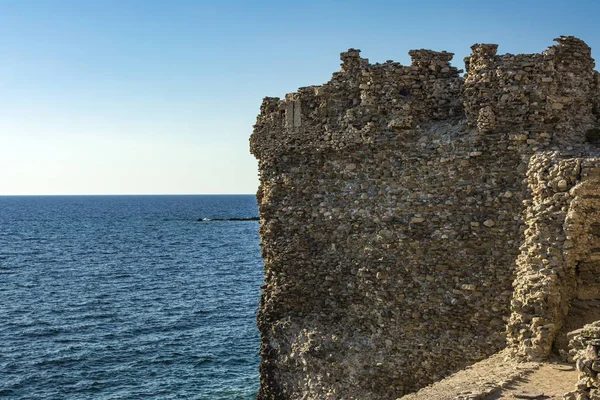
<point x="390" y="223"/>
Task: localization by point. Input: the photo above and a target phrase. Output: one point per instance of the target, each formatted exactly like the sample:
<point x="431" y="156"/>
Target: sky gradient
<point x="159" y="97"/>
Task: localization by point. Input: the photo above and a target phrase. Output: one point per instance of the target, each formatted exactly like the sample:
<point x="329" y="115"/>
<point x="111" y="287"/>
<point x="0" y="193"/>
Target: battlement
<point x="553" y="94"/>
<point x="428" y="58"/>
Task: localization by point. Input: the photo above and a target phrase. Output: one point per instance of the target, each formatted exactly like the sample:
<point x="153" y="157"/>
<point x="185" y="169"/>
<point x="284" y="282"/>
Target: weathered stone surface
<point x="585" y="348"/>
<point x="390" y="204"/>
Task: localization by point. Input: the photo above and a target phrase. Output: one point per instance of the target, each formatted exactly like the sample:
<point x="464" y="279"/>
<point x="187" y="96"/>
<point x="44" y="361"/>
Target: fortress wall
<point x="544" y="96"/>
<point x="390" y="223"/>
<point x="558" y="286"/>
<point x="545" y="282"/>
<point x="371" y="252"/>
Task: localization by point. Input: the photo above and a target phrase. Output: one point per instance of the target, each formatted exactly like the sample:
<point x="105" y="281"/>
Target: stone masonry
<point x="392" y="201"/>
<point x="584" y="347"/>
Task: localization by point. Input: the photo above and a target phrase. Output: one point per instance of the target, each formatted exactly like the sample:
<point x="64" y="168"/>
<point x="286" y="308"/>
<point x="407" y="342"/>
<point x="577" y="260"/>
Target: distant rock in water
<point x="227" y="219"/>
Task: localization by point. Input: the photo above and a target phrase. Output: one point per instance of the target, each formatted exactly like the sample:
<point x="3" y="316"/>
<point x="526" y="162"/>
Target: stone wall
<point x="390" y="201"/>
<point x="584" y="347"/>
<point x="558" y="272"/>
<point x="543" y="96"/>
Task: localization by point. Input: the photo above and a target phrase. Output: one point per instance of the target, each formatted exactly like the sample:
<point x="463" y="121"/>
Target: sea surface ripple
<point x="128" y="297"/>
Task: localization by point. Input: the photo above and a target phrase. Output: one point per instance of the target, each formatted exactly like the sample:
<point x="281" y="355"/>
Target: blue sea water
<point x="128" y="297"/>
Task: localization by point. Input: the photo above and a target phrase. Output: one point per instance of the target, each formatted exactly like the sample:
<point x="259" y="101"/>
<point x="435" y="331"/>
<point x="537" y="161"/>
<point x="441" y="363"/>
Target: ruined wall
<point x="548" y="95"/>
<point x="558" y="277"/>
<point x="584" y="347"/>
<point x="390" y="204"/>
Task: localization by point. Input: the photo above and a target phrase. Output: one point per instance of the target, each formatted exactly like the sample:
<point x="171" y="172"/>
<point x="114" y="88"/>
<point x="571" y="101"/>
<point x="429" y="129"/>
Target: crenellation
<point x="533" y="91"/>
<point x="352" y="63"/>
<point x="399" y="203"/>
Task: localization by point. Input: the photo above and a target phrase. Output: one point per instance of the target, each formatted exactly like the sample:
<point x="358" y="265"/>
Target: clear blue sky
<point x="148" y="96"/>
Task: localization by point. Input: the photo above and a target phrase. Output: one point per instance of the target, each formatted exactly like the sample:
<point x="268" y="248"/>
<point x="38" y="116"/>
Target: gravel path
<point x="500" y="377"/>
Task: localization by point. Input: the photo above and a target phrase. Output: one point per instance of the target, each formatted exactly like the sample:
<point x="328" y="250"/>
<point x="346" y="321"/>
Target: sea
<point x="129" y="297"/>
